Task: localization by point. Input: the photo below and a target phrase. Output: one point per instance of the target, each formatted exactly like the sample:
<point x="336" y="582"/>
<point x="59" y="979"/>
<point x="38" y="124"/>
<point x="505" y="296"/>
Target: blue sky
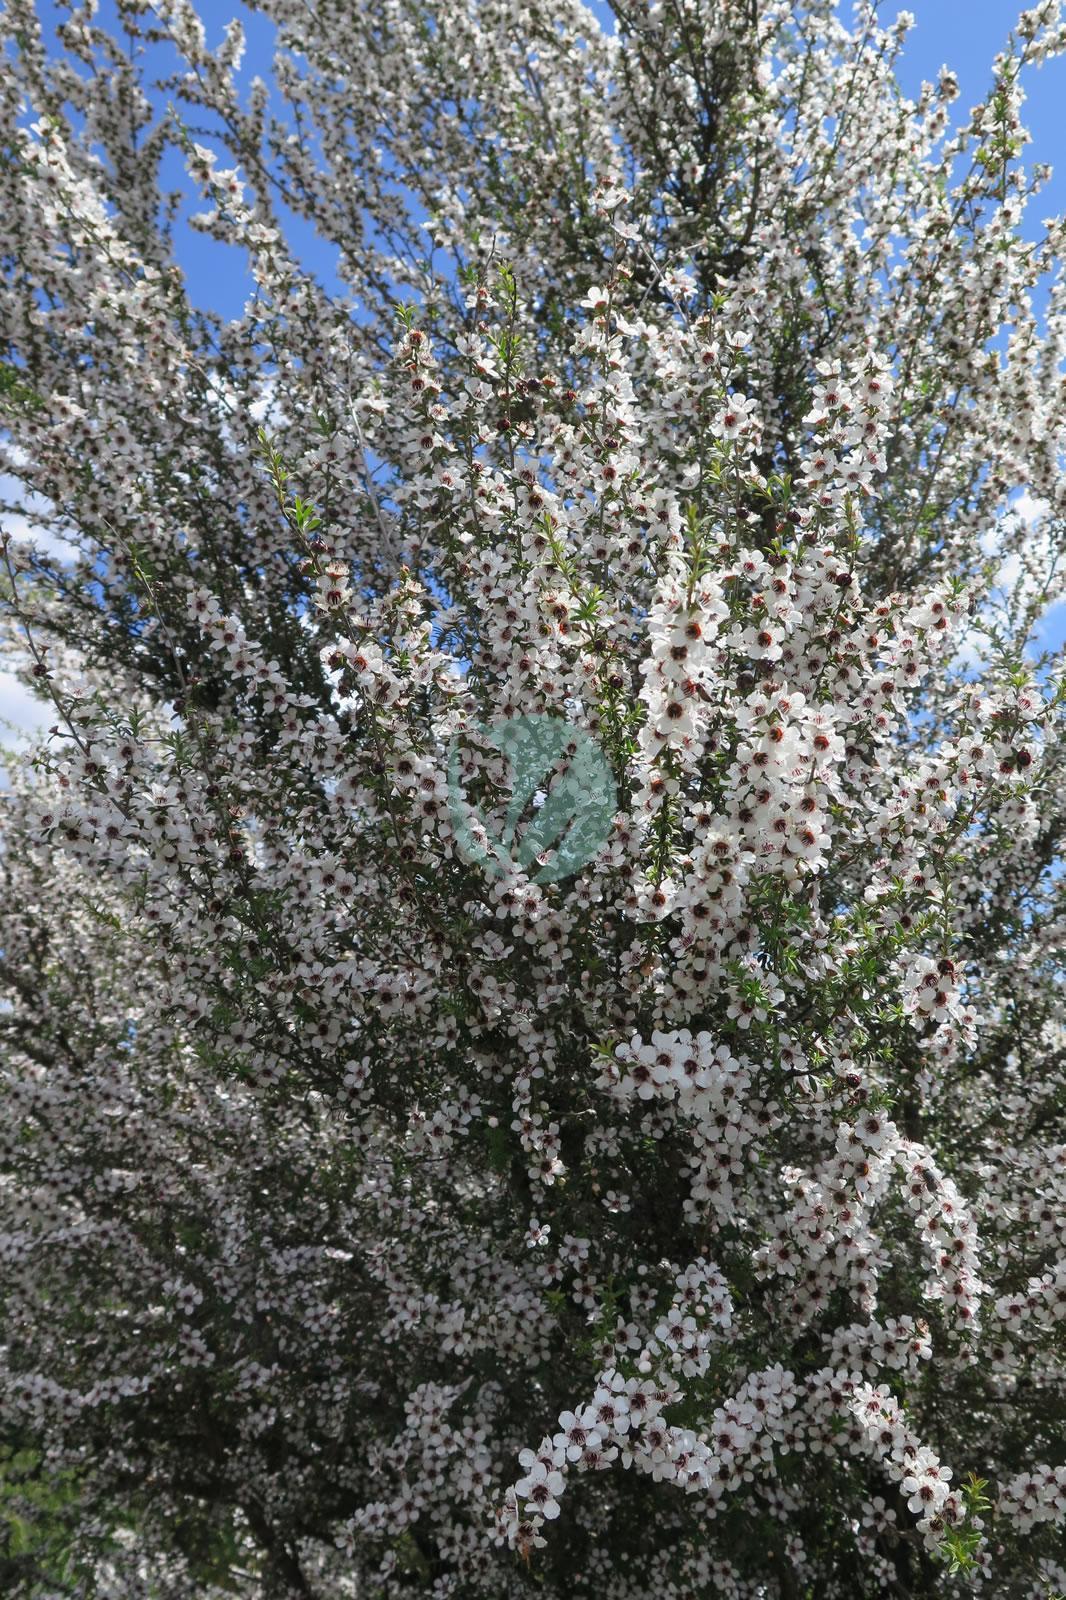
<point x="962" y="34"/>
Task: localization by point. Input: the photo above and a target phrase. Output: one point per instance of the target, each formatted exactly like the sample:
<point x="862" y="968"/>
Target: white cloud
<point x="21" y="524"/>
<point x="267" y="408"/>
<point x="22" y="715"/>
<point x="1028" y="509"/>
<point x="20" y="710"/>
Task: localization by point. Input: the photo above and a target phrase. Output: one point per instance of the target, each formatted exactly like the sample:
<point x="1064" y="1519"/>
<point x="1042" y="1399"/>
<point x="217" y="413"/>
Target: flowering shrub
<point x="377" y="1224"/>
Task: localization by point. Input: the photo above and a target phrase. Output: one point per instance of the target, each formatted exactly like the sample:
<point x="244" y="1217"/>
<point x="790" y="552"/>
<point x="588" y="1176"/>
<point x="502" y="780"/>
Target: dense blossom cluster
<point x="379" y="1213"/>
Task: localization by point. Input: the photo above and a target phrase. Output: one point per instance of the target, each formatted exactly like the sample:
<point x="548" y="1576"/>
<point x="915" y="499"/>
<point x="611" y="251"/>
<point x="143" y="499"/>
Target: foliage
<point x="374" y="1223"/>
